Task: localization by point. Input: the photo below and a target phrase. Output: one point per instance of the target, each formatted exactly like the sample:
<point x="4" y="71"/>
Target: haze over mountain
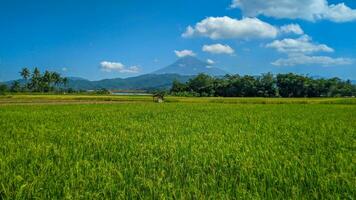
<point x="190" y="65"/>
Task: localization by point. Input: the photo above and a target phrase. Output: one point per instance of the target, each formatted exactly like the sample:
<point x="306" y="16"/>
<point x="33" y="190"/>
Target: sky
<point x="121" y="38"/>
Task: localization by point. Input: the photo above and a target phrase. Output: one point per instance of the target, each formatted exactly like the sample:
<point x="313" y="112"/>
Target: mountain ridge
<point x="142" y="82"/>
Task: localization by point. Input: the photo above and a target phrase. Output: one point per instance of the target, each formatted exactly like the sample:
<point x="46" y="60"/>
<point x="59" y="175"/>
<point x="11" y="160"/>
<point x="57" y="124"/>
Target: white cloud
<point x="64" y="69"/>
<point x="299" y="52"/>
<point x="118" y="67"/>
<point x="311" y="10"/>
<point x="184" y="53"/>
<point x="301" y="45"/>
<point x="340" y="13"/>
<point x="229" y="28"/>
<point x="291" y="28"/>
<point x="311" y="60"/>
<point x="210" y="62"/>
<point x="218" y="49"/>
<point x="132" y="69"/>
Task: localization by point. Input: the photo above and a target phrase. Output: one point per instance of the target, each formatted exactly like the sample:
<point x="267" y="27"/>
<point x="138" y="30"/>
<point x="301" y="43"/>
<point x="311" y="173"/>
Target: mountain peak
<point x="190" y="65"/>
<point x="190" y="60"/>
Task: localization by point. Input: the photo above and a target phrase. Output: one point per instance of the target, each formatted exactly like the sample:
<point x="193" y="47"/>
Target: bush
<point x="3" y="89"/>
<point x="102" y="91"/>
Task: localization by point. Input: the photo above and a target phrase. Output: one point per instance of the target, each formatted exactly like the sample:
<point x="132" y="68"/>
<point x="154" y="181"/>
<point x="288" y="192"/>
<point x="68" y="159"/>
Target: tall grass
<point x="179" y="151"/>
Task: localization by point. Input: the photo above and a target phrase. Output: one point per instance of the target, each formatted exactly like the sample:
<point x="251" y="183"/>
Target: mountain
<point x="190" y="65"/>
<point x="76" y="78"/>
<point x="143" y="82"/>
<point x="182" y="70"/>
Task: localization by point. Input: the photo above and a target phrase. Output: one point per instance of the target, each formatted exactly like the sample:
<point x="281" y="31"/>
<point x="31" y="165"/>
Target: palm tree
<point x="36" y="73"/>
<point x="56" y="78"/>
<point x="47" y="80"/>
<point x="65" y="81"/>
<point x="35" y="80"/>
<point x="25" y="73"/>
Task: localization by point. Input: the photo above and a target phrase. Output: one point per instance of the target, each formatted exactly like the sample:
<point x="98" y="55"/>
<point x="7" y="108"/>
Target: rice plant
<point x="191" y="150"/>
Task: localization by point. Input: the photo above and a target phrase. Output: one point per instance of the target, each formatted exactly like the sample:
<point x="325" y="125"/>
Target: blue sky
<point x="121" y="38"/>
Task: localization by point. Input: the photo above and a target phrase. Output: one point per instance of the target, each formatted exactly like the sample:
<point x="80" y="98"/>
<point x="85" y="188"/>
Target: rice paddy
<point x="186" y="148"/>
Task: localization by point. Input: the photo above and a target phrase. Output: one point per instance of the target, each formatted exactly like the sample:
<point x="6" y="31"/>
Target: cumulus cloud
<point x="229" y="28"/>
<point x="299" y="52"/>
<point x="311" y="60"/>
<point x="117" y="67"/>
<point x="301" y="45"/>
<point x="311" y="10"/>
<point x="218" y="49"/>
<point x="340" y="13"/>
<point x="210" y="62"/>
<point x="291" y="28"/>
<point x="184" y="53"/>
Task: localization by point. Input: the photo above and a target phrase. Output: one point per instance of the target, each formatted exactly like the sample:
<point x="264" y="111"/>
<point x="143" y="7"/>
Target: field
<point x="100" y="147"/>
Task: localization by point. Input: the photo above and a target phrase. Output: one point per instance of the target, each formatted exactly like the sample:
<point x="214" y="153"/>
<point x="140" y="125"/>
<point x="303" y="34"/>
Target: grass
<point x="189" y="148"/>
<point x="41" y="98"/>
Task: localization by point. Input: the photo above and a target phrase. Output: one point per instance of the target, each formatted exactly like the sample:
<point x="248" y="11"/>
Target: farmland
<point x="99" y="147"/>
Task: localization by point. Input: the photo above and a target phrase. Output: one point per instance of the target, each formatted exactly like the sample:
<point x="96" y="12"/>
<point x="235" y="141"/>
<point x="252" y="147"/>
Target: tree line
<point x="265" y="85"/>
<point x="35" y="81"/>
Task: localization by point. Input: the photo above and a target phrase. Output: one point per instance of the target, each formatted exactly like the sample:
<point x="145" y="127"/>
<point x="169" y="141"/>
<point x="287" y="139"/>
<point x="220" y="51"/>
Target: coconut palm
<point x="25" y="73"/>
<point x="35" y="80"/>
<point x="56" y="78"/>
<point x="65" y="81"/>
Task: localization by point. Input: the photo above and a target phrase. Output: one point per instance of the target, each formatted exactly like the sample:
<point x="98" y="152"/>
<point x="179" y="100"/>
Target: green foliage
<point x="178" y="87"/>
<point x="178" y="151"/>
<point x="36" y="82"/>
<point x="102" y="91"/>
<point x="266" y="85"/>
<point x="25" y="73"/>
<point x="202" y="84"/>
<point x="3" y="89"/>
<point x="15" y="86"/>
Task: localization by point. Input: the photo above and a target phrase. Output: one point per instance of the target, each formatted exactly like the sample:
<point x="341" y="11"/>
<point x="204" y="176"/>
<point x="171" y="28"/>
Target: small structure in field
<point x="158" y="98"/>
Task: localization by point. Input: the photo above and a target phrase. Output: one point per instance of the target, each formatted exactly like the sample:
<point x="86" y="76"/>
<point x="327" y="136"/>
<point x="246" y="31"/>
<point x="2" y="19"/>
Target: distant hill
<point x="182" y="70"/>
<point x="190" y="66"/>
<point x="76" y="78"/>
<point x="143" y="82"/>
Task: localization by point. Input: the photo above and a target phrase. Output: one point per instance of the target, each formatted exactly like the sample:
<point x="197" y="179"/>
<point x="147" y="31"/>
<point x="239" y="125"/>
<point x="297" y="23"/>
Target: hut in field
<point x="158" y="98"/>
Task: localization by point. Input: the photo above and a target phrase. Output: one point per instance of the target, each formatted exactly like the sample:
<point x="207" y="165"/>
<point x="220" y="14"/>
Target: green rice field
<point x="110" y="147"/>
